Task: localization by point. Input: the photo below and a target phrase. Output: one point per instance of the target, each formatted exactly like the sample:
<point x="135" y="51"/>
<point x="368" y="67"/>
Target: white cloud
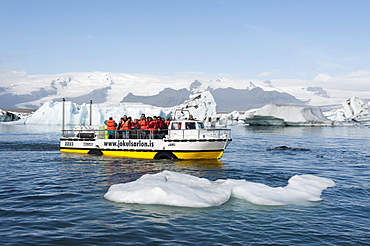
<point x="322" y="77"/>
<point x="8" y="77"/>
<point x="358" y="81"/>
<point x="267" y="73"/>
<point x="264" y="74"/>
<point x="359" y="75"/>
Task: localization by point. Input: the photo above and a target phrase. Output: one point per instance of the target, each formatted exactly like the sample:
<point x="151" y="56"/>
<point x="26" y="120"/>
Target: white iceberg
<point x="170" y="188"/>
<point x="201" y="105"/>
<point x="352" y="110"/>
<point x="287" y="115"/>
<point x="353" y="107"/>
<point x="6" y="116"/>
<point x="176" y="189"/>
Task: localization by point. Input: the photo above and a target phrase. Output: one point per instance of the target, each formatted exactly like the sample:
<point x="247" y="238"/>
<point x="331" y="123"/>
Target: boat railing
<point x="147" y="134"/>
<point x="199" y="134"/>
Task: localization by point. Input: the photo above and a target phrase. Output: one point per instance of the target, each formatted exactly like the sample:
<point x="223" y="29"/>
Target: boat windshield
<point x="176" y="125"/>
<point x="190" y="125"/>
<point x="187" y="125"/>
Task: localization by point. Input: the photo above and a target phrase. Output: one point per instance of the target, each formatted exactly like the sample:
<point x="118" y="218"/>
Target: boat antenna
<point x="90" y="112"/>
<point x="63" y="116"/>
<point x="178" y="102"/>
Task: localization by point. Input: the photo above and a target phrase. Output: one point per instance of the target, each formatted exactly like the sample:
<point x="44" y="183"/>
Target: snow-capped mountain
<point x="19" y="90"/>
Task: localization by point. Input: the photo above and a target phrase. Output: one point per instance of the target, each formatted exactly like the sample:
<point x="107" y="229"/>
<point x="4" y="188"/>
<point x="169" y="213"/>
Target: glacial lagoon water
<point x="53" y="198"/>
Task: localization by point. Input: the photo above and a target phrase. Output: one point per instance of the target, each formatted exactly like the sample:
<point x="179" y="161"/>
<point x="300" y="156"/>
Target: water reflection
<point x="290" y="131"/>
<point x="216" y="164"/>
<point x="29" y="129"/>
<point x="123" y="170"/>
<point x="312" y="131"/>
<point x="126" y="170"/>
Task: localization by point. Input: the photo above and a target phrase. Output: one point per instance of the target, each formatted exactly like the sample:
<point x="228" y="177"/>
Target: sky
<point x="310" y="40"/>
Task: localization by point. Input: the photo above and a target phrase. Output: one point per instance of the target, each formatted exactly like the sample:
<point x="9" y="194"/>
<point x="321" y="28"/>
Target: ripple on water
<point x="52" y="198"/>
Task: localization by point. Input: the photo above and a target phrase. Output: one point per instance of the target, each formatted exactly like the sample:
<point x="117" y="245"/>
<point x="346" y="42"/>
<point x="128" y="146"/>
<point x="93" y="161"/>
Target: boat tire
<point x="95" y="152"/>
<point x="165" y="155"/>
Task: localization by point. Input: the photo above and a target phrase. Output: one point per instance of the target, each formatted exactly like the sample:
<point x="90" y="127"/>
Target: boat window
<point x="190" y="125"/>
<point x="200" y="125"/>
<point x="176" y="125"/>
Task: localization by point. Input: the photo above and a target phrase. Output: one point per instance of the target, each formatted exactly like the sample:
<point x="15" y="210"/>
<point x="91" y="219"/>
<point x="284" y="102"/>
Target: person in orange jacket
<point x="125" y="127"/>
<point x="168" y="121"/>
<point x="143" y="126"/>
<point x="111" y="127"/>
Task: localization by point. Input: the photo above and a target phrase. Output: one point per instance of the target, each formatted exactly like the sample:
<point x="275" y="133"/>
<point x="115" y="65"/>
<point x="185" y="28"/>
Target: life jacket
<point x="152" y="125"/>
<point x="126" y="125"/>
<point x="143" y="124"/>
<point x="167" y="122"/>
<point x="135" y="125"/>
<point x="162" y="124"/>
<point x="120" y="124"/>
<point x="110" y="125"/>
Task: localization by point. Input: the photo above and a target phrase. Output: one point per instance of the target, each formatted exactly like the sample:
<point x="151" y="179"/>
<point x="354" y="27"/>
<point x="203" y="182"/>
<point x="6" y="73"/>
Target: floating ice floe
<point x="176" y="189"/>
<point x="287" y="115"/>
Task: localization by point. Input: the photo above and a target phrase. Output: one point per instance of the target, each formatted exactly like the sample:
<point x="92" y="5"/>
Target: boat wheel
<point x="165" y="155"/>
<point x="95" y="152"/>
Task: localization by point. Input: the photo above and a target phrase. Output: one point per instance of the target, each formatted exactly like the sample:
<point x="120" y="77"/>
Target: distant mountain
<point x="230" y="99"/>
<point x="318" y="91"/>
<point x="99" y="96"/>
<point x="32" y="91"/>
<point x="9" y="100"/>
<point x="166" y="98"/>
<point x="227" y="100"/>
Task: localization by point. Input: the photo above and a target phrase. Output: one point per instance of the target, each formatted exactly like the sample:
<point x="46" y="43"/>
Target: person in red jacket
<point x="111" y="127"/>
<point x="162" y="127"/>
<point x="135" y="124"/>
<point x="119" y="127"/>
<point x="152" y="127"/>
<point x="135" y="129"/>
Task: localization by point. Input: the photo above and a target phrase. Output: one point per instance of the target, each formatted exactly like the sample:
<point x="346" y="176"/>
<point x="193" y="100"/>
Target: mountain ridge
<point x="113" y="88"/>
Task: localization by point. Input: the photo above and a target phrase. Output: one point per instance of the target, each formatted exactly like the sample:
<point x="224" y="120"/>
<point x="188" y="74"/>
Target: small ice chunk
<point x="170" y="188"/>
<point x="175" y="189"/>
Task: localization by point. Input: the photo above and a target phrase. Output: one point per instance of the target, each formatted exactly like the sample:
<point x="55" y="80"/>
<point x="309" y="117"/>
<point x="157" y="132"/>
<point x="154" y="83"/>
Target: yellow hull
<point x="130" y="154"/>
<point x="198" y="155"/>
<point x="80" y="151"/>
<point x="191" y="155"/>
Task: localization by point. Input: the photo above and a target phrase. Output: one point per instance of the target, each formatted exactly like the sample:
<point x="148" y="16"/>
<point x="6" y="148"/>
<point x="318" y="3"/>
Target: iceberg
<point x="287" y="115"/>
<point x="353" y="107"/>
<point x="52" y="113"/>
<point x="6" y="116"/>
<point x="353" y="110"/>
<point x="184" y="190"/>
<point x="201" y="105"/>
